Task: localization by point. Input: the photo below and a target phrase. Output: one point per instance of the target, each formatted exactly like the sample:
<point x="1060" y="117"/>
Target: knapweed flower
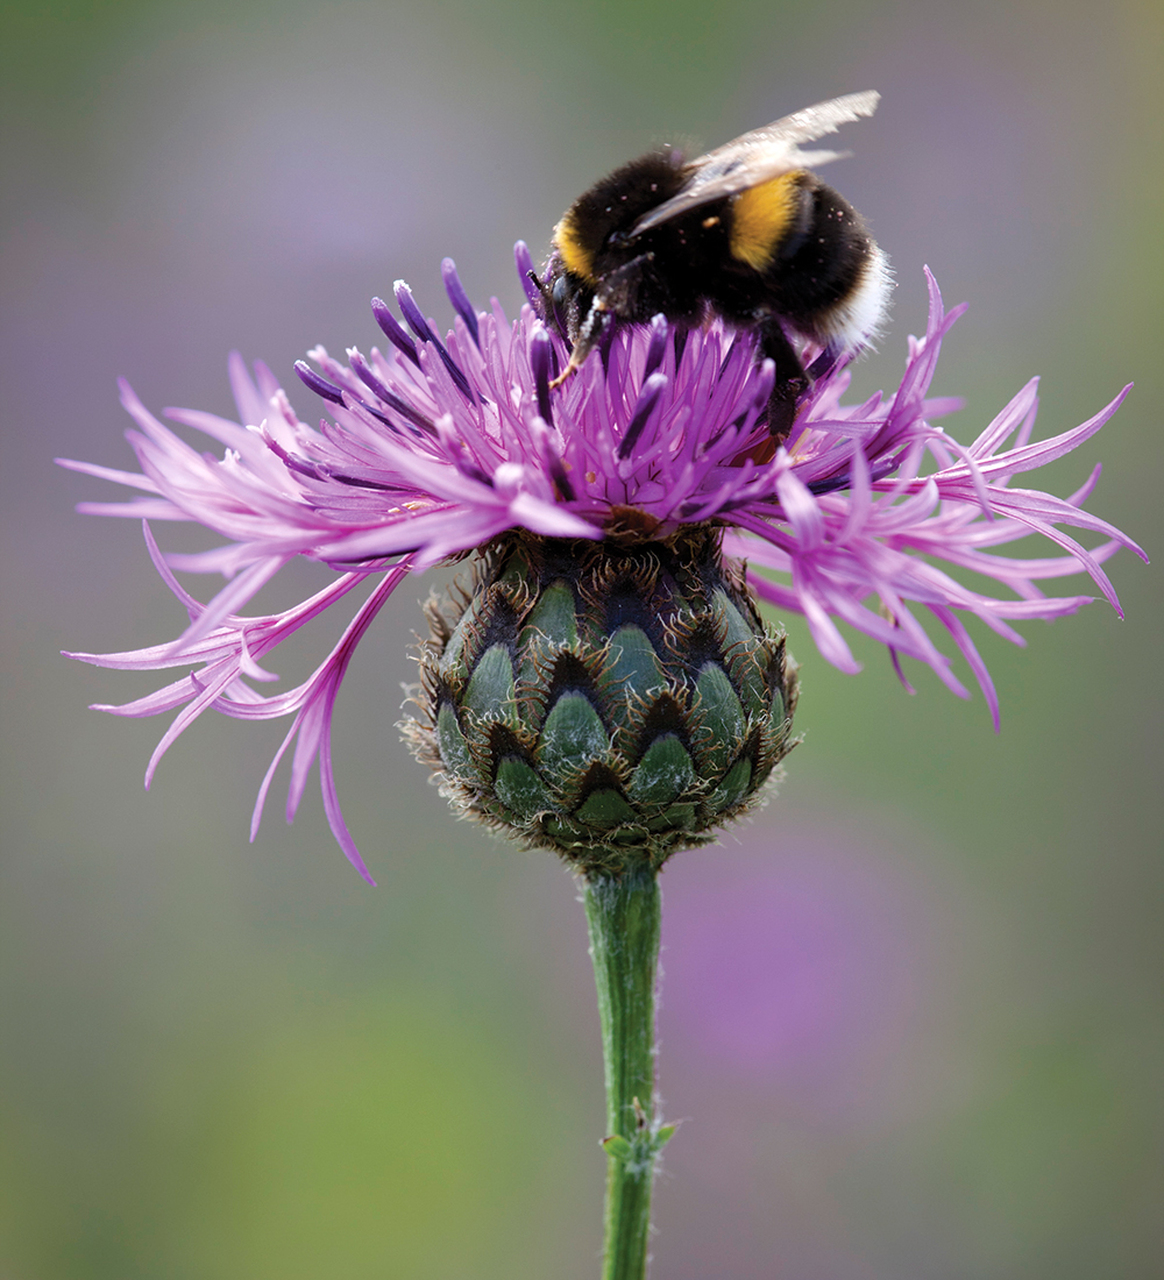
<point x="607" y="684"/>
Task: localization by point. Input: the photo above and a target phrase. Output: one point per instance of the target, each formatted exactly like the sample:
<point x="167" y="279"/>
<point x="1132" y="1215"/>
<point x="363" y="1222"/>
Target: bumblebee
<point x="746" y="232"/>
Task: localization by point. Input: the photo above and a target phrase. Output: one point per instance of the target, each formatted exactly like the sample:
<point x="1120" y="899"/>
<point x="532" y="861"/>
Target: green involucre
<point x="611" y="701"/>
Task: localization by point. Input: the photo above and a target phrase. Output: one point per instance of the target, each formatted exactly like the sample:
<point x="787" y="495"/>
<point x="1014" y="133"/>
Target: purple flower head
<point x="431" y="449"/>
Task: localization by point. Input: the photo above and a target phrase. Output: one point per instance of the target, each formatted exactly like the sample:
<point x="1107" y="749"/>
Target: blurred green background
<point x="912" y="1012"/>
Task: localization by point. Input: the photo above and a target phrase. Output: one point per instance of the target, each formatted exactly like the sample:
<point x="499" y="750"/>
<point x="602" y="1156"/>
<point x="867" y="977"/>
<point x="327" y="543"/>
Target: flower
<point x="437" y="449"/>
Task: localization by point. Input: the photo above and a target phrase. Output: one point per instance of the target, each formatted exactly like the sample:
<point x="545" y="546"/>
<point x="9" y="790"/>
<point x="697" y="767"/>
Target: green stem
<point x="623" y="914"/>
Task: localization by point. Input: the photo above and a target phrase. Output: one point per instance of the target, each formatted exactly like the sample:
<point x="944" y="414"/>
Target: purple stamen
<point x="460" y="299"/>
<point x="844" y="479"/>
<point x="382" y="418"/>
<point x="470" y="469"/>
<point x="419" y="325"/>
<point x="381" y="392"/>
<point x="655" y="352"/>
<point x="362" y="484"/>
<point x="319" y="385"/>
<point x="526" y="273"/>
<point x="648" y="399"/>
<point x="413" y="316"/>
<point x="826" y="362"/>
<point x="393" y="332"/>
<point x="829" y="485"/>
<point x="331" y="393"/>
<point x="541" y="354"/>
<point x="765" y="380"/>
<point x="293" y="462"/>
<point x="304" y="468"/>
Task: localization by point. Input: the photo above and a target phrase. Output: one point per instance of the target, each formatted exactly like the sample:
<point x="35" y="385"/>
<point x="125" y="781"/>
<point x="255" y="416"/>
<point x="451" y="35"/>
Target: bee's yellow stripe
<point x="760" y="218"/>
<point x="577" y="259"/>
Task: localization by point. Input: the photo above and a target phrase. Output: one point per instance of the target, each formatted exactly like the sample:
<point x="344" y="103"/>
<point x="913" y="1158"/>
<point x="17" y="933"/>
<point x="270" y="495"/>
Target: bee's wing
<point x="762" y="154"/>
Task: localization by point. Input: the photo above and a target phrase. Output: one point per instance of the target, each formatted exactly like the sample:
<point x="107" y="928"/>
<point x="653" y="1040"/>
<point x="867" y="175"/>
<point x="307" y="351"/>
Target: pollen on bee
<point x="708" y="223"/>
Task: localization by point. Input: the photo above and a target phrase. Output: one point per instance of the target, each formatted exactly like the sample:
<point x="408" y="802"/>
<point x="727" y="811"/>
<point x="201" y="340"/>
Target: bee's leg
<point x="791" y="380"/>
<point x="590" y="333"/>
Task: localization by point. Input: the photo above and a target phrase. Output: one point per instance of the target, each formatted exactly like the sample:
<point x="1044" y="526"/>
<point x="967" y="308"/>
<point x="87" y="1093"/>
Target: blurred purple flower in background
<point x="435" y="448"/>
<point x="806" y="969"/>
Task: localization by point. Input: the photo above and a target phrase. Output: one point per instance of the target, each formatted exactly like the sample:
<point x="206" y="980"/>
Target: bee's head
<point x="594" y="237"/>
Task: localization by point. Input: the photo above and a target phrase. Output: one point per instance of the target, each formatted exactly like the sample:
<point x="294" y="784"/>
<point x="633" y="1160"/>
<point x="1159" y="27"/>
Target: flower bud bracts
<point x="611" y="701"/>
